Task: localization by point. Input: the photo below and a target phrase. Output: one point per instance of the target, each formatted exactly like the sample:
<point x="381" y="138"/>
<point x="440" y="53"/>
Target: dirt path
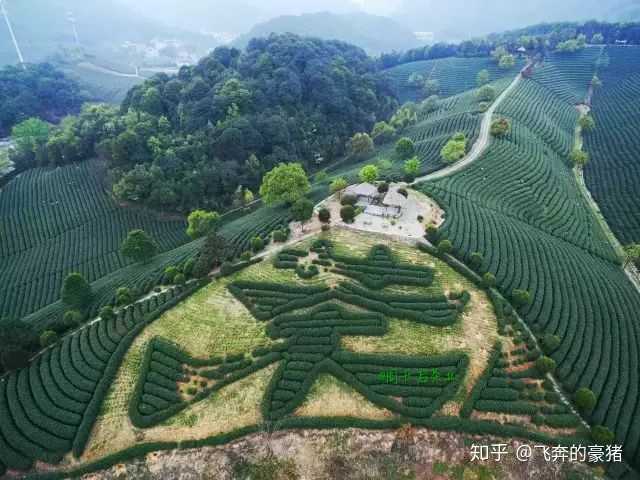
<point x="483" y="140"/>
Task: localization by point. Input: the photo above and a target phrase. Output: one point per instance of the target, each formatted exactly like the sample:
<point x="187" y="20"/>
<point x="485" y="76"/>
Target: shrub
<point x="383" y="187"/>
<point x="403" y="192"/>
<point x="123" y="296"/>
<point x="279" y="236"/>
<point x="521" y="298"/>
<point x="349" y="200"/>
<point x="500" y="127"/>
<point x="246" y="256"/>
<point x="107" y="313"/>
<point x="445" y="246"/>
<point x="475" y="260"/>
<point x="348" y="213"/>
<point x="72" y="318"/>
<point x="170" y="274"/>
<point x="257" y="244"/>
<point x="324" y="215"/>
<point x="550" y="343"/>
<point x="405" y="148"/>
<point x="188" y="267"/>
<point x="76" y="292"/>
<point x="180" y="279"/>
<point x="325" y="227"/>
<point x="545" y="365"/>
<point x="432" y="233"/>
<point x="585" y="399"/>
<point x="602" y="435"/>
<point x="47" y="338"/>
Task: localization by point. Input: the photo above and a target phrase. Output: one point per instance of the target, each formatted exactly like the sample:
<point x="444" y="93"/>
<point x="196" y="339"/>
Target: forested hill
<point x="36" y="91"/>
<point x="191" y="140"/>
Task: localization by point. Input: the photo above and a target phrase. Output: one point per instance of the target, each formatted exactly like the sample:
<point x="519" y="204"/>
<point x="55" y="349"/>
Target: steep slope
<point x="519" y="206"/>
<point x="613" y="174"/>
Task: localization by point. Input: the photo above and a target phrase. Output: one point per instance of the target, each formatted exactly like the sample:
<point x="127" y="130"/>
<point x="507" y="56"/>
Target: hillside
<point x="356" y="28"/>
<point x="449" y="279"/>
<point x="536" y="232"/>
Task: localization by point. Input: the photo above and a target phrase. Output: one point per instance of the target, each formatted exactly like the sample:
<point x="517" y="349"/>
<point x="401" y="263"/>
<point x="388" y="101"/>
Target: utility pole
<point x="72" y="20"/>
<point x="13" y="36"/>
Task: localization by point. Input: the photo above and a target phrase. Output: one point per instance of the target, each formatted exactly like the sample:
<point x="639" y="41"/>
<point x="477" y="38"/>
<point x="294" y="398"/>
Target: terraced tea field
<point x="454" y="75"/>
<point x="53" y="222"/>
<point x="613" y="175"/>
<point x="519" y="206"/>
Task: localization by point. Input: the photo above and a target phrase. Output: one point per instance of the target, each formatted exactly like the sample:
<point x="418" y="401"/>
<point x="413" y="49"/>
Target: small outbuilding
<point x="366" y="193"/>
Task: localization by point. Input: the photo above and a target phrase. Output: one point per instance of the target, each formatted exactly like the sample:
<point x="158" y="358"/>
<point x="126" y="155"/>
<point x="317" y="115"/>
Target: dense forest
<point x="36" y="91"/>
<point x="192" y="140"/>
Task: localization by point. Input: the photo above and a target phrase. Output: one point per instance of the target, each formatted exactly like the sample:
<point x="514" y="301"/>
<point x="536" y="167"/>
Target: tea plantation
<point x="520" y="207"/>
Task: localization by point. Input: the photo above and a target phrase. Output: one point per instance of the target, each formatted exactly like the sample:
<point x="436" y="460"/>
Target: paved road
<point x="483" y="140"/>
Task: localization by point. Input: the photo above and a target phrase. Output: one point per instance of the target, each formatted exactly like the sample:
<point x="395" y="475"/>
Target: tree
<point x="597" y="39"/>
<point x="521" y="298"/>
<point x="302" y="211"/>
<point x="432" y="233"/>
<point x="338" y="185"/>
<point x="545" y="365"/>
<point x="405" y="148"/>
<point x="30" y="134"/>
<point x="475" y="260"/>
<point x="211" y="255"/>
<point x="632" y="254"/>
<point x="202" y="223"/>
<point x="550" y="343"/>
<point x="123" y="296"/>
<point x="368" y="174"/>
<point x="76" y="292"/>
<point x="445" y="246"/>
<point x="360" y="146"/>
<point x="431" y="87"/>
<point x="404" y="117"/>
<point x="138" y="246"/>
<point x="500" y="127"/>
<point x="579" y="158"/>
<point x="498" y="53"/>
<point x="454" y="149"/>
<point x="180" y="279"/>
<point x="285" y="183"/>
<point x="430" y="104"/>
<point x="382" y="133"/>
<point x="48" y="338"/>
<point x="72" y="319"/>
<point x="415" y="80"/>
<point x="107" y="314"/>
<point x="170" y="274"/>
<point x="324" y="215"/>
<point x="348" y="213"/>
<point x="412" y="167"/>
<point x="257" y="244"/>
<point x="587" y="123"/>
<point x="602" y="435"/>
<point x="488" y="280"/>
<point x="483" y="77"/>
<point x="507" y="61"/>
<point x="486" y="94"/>
<point x="585" y="400"/>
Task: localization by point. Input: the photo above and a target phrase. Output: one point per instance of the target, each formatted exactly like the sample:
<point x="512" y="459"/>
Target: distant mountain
<point x="372" y="33"/>
<point x="44" y="27"/>
<point x="230" y="16"/>
<point x="457" y="20"/>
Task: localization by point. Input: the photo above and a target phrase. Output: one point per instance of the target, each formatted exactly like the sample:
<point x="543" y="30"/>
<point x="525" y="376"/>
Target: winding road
<point x="483" y="140"/>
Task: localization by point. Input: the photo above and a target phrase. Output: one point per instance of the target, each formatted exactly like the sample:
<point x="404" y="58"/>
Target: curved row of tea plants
<point x="53" y="222"/>
<point x="536" y="233"/>
<point x="48" y="409"/>
<point x="613" y="173"/>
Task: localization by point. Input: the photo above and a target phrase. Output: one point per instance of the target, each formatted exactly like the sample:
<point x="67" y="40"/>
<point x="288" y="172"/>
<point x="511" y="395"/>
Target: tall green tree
<point x="302" y="211"/>
<point x="76" y="292"/>
<point x="483" y="77"/>
<point x="202" y="223"/>
<point x="139" y="246"/>
<point x="405" y="148"/>
<point x="368" y="174"/>
<point x="285" y="183"/>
